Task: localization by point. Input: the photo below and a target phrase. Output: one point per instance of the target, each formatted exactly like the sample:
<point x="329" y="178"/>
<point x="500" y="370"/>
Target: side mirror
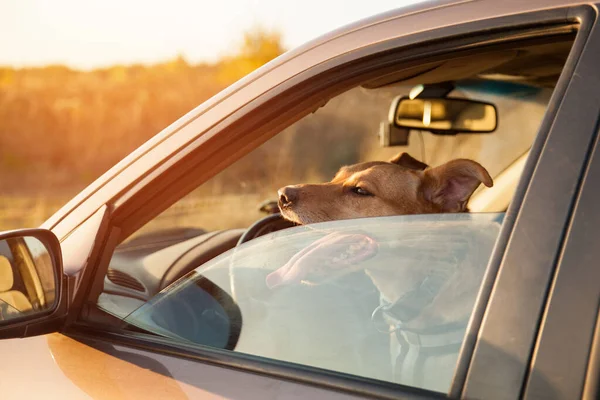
<point x="446" y="115"/>
<point x="31" y="283"/>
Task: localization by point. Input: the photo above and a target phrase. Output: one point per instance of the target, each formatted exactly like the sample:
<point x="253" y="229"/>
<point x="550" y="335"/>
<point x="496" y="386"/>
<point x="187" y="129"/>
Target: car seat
<point x="498" y="197"/>
<point x="14" y="298"/>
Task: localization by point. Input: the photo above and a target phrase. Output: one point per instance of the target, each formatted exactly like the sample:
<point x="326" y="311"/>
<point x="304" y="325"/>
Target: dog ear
<point x="450" y="185"/>
<point x="406" y="160"/>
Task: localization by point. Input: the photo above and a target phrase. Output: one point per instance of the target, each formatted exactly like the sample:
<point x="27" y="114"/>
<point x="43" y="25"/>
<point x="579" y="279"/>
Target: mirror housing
<point x="33" y="296"/>
<point x="389" y="134"/>
<point x="446" y="116"/>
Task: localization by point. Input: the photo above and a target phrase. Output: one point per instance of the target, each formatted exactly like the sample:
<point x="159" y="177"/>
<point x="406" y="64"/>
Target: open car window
<point x="334" y="294"/>
<point x="346" y="131"/>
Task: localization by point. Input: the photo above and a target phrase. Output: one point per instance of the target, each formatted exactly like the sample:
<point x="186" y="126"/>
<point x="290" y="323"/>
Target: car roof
<point x="417" y="18"/>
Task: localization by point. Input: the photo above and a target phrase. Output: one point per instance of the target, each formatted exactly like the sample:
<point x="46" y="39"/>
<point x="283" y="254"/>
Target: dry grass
<point x="27" y="211"/>
<point x="209" y="212"/>
<point x="206" y="212"/>
<point x="61" y="128"/>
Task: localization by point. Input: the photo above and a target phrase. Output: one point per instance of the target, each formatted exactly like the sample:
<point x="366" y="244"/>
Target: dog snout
<point x="288" y="195"/>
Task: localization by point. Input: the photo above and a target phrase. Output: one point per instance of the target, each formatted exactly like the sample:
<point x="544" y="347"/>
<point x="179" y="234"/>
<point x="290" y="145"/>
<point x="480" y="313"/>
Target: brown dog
<point x="427" y="275"/>
<point x="401" y="186"/>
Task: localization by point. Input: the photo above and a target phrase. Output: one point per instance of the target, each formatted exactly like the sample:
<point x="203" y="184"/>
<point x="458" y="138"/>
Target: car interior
<point x="22" y="288"/>
<point x="11" y="293"/>
<point x="141" y="267"/>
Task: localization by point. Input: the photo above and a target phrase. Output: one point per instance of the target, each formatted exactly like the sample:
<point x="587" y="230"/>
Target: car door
<point x="566" y="355"/>
<point x="523" y="253"/>
<point x="498" y="348"/>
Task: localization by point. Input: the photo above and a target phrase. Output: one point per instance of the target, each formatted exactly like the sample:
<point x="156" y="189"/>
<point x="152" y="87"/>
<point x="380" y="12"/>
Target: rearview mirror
<point x="30" y="282"/>
<point x="446" y="115"/>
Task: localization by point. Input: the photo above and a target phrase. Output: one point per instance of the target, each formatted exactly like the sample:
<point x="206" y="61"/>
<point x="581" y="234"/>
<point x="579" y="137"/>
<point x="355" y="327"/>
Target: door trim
<point x="502" y="333"/>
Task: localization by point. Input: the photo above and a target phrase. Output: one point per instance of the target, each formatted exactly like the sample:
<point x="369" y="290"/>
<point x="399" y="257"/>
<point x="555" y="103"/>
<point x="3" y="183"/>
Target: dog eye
<point x="360" y="191"/>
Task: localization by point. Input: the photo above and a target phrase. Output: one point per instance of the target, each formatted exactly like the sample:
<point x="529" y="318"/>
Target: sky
<point x="88" y="34"/>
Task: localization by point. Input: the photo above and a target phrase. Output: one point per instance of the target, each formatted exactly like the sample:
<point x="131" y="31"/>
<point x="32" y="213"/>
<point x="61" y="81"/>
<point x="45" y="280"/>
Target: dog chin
<point x="291" y="216"/>
<point x="298" y="216"/>
<point x="301" y="218"/>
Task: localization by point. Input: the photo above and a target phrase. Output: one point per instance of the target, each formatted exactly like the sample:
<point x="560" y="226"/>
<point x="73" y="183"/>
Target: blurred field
<point x="62" y="128"/>
<point x="26" y="211"/>
<point x="213" y="212"/>
<point x="209" y="212"/>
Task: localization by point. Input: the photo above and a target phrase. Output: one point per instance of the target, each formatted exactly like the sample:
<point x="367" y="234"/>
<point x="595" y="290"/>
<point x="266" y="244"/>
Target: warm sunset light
<point x="89" y="82"/>
<point x="102" y="33"/>
<point x="299" y="199"/>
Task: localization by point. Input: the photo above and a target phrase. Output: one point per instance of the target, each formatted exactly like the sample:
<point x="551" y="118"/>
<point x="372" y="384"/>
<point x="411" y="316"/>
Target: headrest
<point x="6" y="275"/>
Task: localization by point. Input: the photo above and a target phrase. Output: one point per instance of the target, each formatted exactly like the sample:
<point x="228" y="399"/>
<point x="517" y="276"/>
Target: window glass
<point x="337" y="295"/>
<point x="375" y="268"/>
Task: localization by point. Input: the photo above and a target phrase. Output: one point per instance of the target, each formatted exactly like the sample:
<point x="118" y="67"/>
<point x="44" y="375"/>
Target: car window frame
<point x="572" y="130"/>
<point x="353" y="384"/>
<point x="591" y="383"/>
<point x="572" y="308"/>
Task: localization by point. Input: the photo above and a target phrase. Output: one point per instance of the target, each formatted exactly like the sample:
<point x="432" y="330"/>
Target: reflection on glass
<point x="387" y="298"/>
<point x="27" y="279"/>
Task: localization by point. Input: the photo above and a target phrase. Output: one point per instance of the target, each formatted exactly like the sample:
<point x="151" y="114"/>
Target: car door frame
<point x="566" y="362"/>
<point x="525" y="269"/>
<point x="471" y="377"/>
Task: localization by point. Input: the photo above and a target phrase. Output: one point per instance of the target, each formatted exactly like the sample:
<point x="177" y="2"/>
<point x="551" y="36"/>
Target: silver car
<point x="157" y="280"/>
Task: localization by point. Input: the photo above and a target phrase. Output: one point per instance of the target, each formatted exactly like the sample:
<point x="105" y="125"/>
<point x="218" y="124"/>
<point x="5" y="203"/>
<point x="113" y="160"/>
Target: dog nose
<point x="287" y="196"/>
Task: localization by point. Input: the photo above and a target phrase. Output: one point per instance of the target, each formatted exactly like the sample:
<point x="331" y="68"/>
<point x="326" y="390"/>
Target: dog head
<point x="401" y="186"/>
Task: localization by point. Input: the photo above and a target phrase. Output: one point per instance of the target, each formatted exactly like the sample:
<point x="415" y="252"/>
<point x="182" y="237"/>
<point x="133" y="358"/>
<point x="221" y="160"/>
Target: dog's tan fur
<point x="401" y="186"/>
